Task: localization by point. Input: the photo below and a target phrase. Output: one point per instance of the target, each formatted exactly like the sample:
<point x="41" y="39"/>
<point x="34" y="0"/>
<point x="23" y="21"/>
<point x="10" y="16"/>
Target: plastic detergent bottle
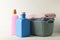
<point x="22" y="26"/>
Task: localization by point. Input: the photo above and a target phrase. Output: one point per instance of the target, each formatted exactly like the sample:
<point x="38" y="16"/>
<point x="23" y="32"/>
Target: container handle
<point x="50" y="20"/>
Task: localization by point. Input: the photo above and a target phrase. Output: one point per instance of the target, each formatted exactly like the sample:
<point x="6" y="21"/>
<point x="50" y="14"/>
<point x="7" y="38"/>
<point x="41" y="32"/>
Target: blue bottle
<point x="22" y="26"/>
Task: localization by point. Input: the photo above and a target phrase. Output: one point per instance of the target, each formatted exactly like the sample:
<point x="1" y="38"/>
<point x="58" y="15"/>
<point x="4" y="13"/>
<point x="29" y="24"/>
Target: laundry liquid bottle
<point x="22" y="26"/>
<point x="14" y="18"/>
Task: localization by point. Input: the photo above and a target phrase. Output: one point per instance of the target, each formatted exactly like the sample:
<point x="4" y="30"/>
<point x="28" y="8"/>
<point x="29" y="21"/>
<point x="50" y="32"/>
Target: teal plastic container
<point x="41" y="28"/>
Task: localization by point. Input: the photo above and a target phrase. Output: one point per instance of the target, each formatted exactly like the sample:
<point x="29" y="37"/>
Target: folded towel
<point x="50" y="15"/>
<point x="47" y="15"/>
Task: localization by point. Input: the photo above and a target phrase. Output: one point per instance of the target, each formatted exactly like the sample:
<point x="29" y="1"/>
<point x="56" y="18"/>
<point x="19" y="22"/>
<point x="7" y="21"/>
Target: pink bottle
<point x="14" y="18"/>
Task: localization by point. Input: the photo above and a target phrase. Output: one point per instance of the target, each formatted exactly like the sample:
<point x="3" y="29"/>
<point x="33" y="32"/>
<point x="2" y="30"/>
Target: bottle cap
<point x="14" y="11"/>
<point x="22" y="15"/>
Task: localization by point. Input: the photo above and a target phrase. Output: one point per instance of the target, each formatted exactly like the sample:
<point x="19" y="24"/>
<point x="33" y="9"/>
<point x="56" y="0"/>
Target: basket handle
<point x="50" y="20"/>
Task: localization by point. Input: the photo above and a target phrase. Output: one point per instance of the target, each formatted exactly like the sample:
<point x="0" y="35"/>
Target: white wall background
<point x="30" y="6"/>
